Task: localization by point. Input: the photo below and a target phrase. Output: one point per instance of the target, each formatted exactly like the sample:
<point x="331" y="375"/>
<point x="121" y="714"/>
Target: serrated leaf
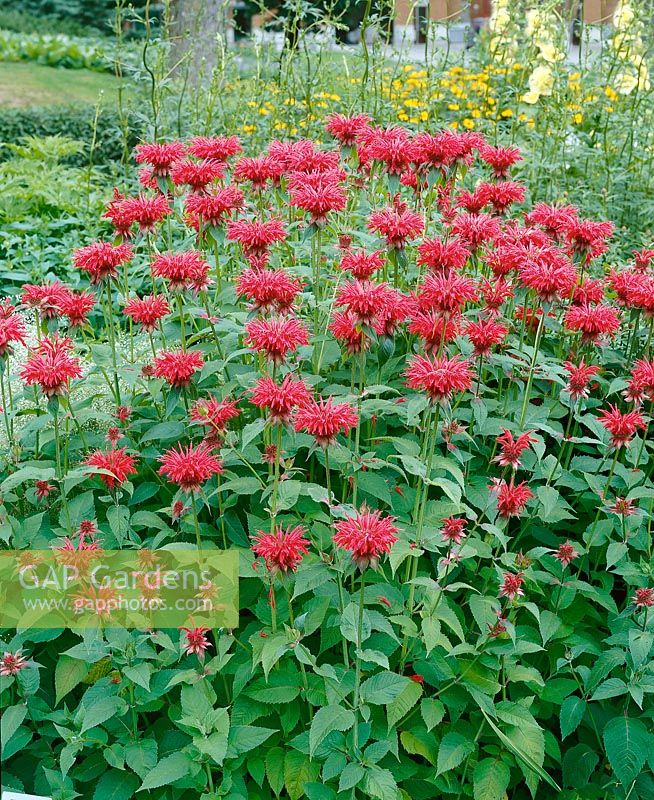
<point x="275" y="769"/>
<point x="298" y="770"/>
<point x="69" y="672"/>
<point x="432" y="712"/>
<point x="170" y="769"/>
<point x="141" y="756"/>
<point x="328" y="719"/>
<point x="243" y="738"/>
<point x="572" y="712"/>
<point x="453" y="749"/>
<point x="628" y="743"/>
<point x="383" y="688"/>
<point x="115" y="785"/>
<point x="11" y="720"/>
<point x="403" y="703"/>
<point x="490" y="779"/>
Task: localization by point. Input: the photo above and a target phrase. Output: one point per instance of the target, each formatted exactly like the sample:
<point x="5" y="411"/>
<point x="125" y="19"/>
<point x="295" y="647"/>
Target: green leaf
<point x="12" y="718"/>
<point x="275" y="769"/>
<point x="115" y="785"/>
<point x="246" y="737"/>
<point x="141" y="756"/>
<point x="350" y="776"/>
<point x="288" y="494"/>
<point x="453" y="749"/>
<point x="100" y="711"/>
<point x="572" y="712"/>
<point x="613" y="687"/>
<point x="490" y="779"/>
<point x="328" y="719"/>
<point x="627" y="743"/>
<point x="139" y="674"/>
<point x="170" y="769"/>
<point x="381" y="784"/>
<point x="215" y="745"/>
<point x="432" y="712"/>
<point x="383" y="688"/>
<point x="553" y="507"/>
<point x="69" y="672"/>
<point x="298" y="770"/>
<point x="403" y="703"/>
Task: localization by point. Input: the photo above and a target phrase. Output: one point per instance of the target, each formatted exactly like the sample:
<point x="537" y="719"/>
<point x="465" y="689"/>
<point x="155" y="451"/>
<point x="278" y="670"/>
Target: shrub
<point x="417" y="405"/>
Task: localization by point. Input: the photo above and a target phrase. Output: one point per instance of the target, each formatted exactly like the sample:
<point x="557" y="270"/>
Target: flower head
<point x="268" y="289"/>
<point x="511" y="498"/>
<point x="117" y="461"/>
<point x="212" y="207"/>
<point x="102" y="259"/>
<point x="195" y="641"/>
<point x="185" y="270"/>
<point x="443" y="255"/>
<point x="434" y="328"/>
<point x="280" y="399"/>
<point x="439" y="377"/>
<point x="51" y="366"/>
<point x="511" y="449"/>
<point x="213" y="413"/>
<point x="177" y="367"/>
<point x="485" y="334"/>
<point x="454" y="529"/>
<point x="367" y="536"/>
<point x="346" y="129"/>
<point x="362" y="265"/>
<point x="46" y="298"/>
<point x="643" y="598"/>
<point x="446" y="292"/>
<point x="594" y="321"/>
<point x="324" y="419"/>
<point x="282" y="549"/>
<point x="146" y="210"/>
<point x="254" y="236"/>
<point x="566" y="554"/>
<point x="318" y="193"/>
<point x="218" y="148"/>
<point x="12" y="663"/>
<point x="189" y="467"/>
<point x="396" y="224"/>
<point x="147" y="311"/>
<point x="500" y="159"/>
<point x="160" y="156"/>
<point x="579" y="376"/>
<point x="12" y="331"/>
<point x="276" y="337"/>
<point x="364" y="299"/>
<point x="512" y="585"/>
<point x="197" y="174"/>
<point x="622" y="427"/>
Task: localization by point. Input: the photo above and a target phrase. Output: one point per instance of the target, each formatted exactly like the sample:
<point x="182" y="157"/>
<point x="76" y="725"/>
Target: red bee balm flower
<point x="511" y="498"/>
<point x="442" y="256"/>
<point x="644" y="598"/>
<point x="195" y="641"/>
<point x="101" y="259"/>
<point x="484" y="334"/>
<point x="318" y="193"/>
<point x="77" y="306"/>
<point x="148" y="311"/>
<point x="145" y="210"/>
<point x="197" y="174"/>
<point x="512" y="585"/>
<point x="211" y="207"/>
<point x="622" y="427"/>
<point x="511" y="449"/>
<point x="280" y="399"/>
<point x="282" y="549"/>
<point x="182" y="270"/>
<point x="214" y="413"/>
<point x="346" y="129"/>
<point x="579" y="378"/>
<point x="324" y="419"/>
<point x="397" y="224"/>
<point x="160" y="156"/>
<point x="177" y="367"/>
<point x="276" y="337"/>
<point x="593" y="321"/>
<point x="51" y="366"/>
<point x="439" y="377"/>
<point x="189" y="467"/>
<point x="454" y="529"/>
<point x="12" y="663"/>
<point x="367" y="535"/>
<point x="364" y="299"/>
<point x="254" y="236"/>
<point x="566" y="554"/>
<point x="361" y="264"/>
<point x="219" y="148"/>
<point x="268" y="288"/>
<point x="12" y="330"/>
<point x="117" y="461"/>
<point x="500" y="158"/>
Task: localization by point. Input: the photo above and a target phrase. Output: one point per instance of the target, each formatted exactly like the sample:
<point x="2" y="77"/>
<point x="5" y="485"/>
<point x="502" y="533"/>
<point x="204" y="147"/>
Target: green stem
<point x="357" y="680"/>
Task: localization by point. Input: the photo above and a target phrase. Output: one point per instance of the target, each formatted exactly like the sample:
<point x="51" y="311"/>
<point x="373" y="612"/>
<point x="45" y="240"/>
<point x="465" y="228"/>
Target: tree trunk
<point x="197" y="31"/>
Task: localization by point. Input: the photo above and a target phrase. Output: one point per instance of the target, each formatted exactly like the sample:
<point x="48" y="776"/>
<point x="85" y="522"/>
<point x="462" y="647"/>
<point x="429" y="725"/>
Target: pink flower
<point x="622" y="427"/>
<point x="594" y="321"/>
<point x="12" y="663"/>
<point x="282" y="549"/>
<point x="512" y="585"/>
<point x="197" y="174"/>
<point x="185" y="270"/>
<point x="195" y="641"/>
<point x="443" y="256"/>
<point x="218" y="148"/>
<point x="268" y="289"/>
<point x="280" y="399"/>
<point x="439" y="377"/>
<point x="566" y="554"/>
<point x="579" y="378"/>
<point x="511" y="449"/>
<point x="318" y="193"/>
<point x="346" y="129"/>
<point x="485" y="334"/>
<point x="213" y="413"/>
<point x="254" y="236"/>
<point x="177" y="367"/>
<point x="117" y="461"/>
<point x="324" y="419"/>
<point x="644" y="598"/>
<point x="362" y="265"/>
<point x="511" y="498"/>
<point x="51" y="366"/>
<point x="102" y="259"/>
<point x="396" y="224"/>
<point x="500" y="159"/>
<point x="189" y="467"/>
<point x="454" y="529"/>
<point x="276" y="337"/>
<point x="148" y="311"/>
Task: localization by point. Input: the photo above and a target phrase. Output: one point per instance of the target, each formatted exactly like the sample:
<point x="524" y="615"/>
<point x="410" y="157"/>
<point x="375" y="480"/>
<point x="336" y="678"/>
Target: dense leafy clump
<point x="419" y="408"/>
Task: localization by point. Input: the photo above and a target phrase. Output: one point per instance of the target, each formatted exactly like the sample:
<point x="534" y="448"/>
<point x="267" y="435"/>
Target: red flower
<point x="51" y="366"/>
<point x="475" y="229"/>
<point x="12" y="663"/>
<point x="123" y="413"/>
<point x="47" y="298"/>
<point x="145" y="210"/>
<point x="495" y="293"/>
<point x="590" y="292"/>
<point x="367" y="536"/>
<point x="318" y="193"/>
<point x="592" y="321"/>
<point x="346" y="129"/>
<point x="417" y="678"/>
<point x="454" y="529"/>
<point x="361" y="264"/>
<point x="548" y="272"/>
<point x="147" y="311"/>
<point x="213" y="413"/>
<point x="268" y="289"/>
<point x="160" y="156"/>
<point x="257" y="170"/>
<point x="117" y="461"/>
<point x="442" y="256"/>
<point x="623" y="507"/>
<point x="189" y="467"/>
<point x="579" y="377"/>
<point x="446" y="292"/>
<point x="641" y="383"/>
<point x="622" y="427"/>
<point x="473" y="202"/>
<point x="101" y="259"/>
<point x="644" y="598"/>
<point x="282" y="549"/>
<point x="392" y="146"/>
<point x="12" y="330"/>
<point x="195" y="641"/>
<point x="511" y="449"/>
<point x="177" y="367"/>
<point x="280" y="399"/>
<point x="211" y="207"/>
<point x="439" y="377"/>
<point x="566" y="554"/>
<point x="502" y="195"/>
<point x="182" y="270"/>
<point x="254" y="236"/>
<point x="302" y="156"/>
<point x="588" y="237"/>
<point x="643" y="258"/>
<point x="444" y="149"/>
<point x="364" y="299"/>
<point x="396" y="224"/>
<point x="435" y="328"/>
<point x="77" y="306"/>
<point x="120" y="213"/>
<point x="218" y="148"/>
<point x="276" y="337"/>
<point x="197" y="174"/>
<point x="556" y="220"/>
<point x="43" y="489"/>
<point x="500" y="159"/>
<point x="511" y="586"/>
<point x="511" y="498"/>
<point x="324" y="419"/>
<point x="346" y="328"/>
<point x="484" y="334"/>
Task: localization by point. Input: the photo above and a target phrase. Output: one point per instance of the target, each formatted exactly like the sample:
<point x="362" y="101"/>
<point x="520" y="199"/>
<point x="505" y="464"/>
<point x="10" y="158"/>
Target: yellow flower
<point x="453" y="107"/>
<point x="506" y="113"/>
<point x="578" y="118"/>
<point x="468" y="123"/>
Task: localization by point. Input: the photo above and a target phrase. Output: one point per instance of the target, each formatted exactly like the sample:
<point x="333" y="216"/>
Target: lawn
<point x="28" y="84"/>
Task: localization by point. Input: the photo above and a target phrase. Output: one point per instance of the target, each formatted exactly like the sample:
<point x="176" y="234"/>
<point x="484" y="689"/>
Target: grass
<point x="27" y="84"/>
